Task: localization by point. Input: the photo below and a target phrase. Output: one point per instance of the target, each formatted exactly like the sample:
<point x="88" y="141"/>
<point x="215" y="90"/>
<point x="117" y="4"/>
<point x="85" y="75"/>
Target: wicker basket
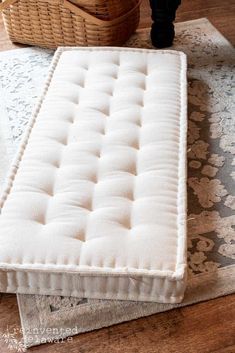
<point x="53" y="23"/>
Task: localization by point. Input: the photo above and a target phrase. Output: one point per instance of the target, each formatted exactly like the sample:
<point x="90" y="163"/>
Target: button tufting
<point x="72" y="120"/>
<point x="42" y="222"/>
<point x="50" y="194"/>
<point x="131" y="197"/>
<point x="115" y="207"/>
<point x="95" y="180"/>
<point x="56" y="165"/>
<point x="81" y="236"/>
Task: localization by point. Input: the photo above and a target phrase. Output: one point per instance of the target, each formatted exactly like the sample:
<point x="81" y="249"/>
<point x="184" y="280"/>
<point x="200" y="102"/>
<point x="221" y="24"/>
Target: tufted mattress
<point x="95" y="203"/>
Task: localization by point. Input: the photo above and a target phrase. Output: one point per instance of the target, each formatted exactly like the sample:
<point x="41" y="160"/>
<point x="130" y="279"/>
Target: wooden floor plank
<point x="220" y="13"/>
<point x="203" y="328"/>
<point x="207" y="327"/>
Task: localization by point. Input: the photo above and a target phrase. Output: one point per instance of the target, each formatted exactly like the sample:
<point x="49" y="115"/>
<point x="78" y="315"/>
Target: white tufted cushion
<point x="95" y="204"/>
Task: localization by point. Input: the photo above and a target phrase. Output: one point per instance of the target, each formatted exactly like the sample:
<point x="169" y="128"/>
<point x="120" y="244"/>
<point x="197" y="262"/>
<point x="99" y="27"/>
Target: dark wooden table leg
<point x="163" y="16"/>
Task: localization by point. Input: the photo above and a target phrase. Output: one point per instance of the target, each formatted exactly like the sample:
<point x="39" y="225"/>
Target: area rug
<point x="211" y="179"/>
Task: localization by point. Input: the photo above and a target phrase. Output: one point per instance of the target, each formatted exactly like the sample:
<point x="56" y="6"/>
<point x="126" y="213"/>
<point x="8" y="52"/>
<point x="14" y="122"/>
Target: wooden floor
<point x="220" y="12"/>
<point x="203" y="328"/>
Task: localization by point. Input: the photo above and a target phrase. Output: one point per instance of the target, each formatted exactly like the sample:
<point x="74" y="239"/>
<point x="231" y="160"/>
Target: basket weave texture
<point x="53" y="23"/>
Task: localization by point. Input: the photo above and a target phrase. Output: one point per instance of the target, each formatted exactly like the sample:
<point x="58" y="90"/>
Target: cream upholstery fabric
<point x="95" y="204"/>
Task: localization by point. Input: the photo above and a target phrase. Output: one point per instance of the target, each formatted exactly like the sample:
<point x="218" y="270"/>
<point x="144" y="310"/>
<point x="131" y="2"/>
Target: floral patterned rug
<point x="211" y="178"/>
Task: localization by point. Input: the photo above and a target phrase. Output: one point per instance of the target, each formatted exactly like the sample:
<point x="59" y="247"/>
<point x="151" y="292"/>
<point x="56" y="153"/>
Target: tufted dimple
<point x="102" y="168"/>
<point x="56" y="164"/>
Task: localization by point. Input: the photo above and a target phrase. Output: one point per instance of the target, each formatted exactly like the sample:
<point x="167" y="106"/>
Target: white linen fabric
<point x="95" y="203"/>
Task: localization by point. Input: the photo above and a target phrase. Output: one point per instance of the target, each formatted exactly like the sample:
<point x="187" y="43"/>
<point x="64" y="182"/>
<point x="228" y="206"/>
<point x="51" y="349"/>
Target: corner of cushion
<point x="181" y="272"/>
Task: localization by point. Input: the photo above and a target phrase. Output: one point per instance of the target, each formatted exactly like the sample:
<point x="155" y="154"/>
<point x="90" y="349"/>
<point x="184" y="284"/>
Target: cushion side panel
<point x="160" y="290"/>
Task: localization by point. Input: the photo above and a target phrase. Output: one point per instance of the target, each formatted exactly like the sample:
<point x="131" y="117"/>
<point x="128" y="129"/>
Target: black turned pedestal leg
<point x="163" y="15"/>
